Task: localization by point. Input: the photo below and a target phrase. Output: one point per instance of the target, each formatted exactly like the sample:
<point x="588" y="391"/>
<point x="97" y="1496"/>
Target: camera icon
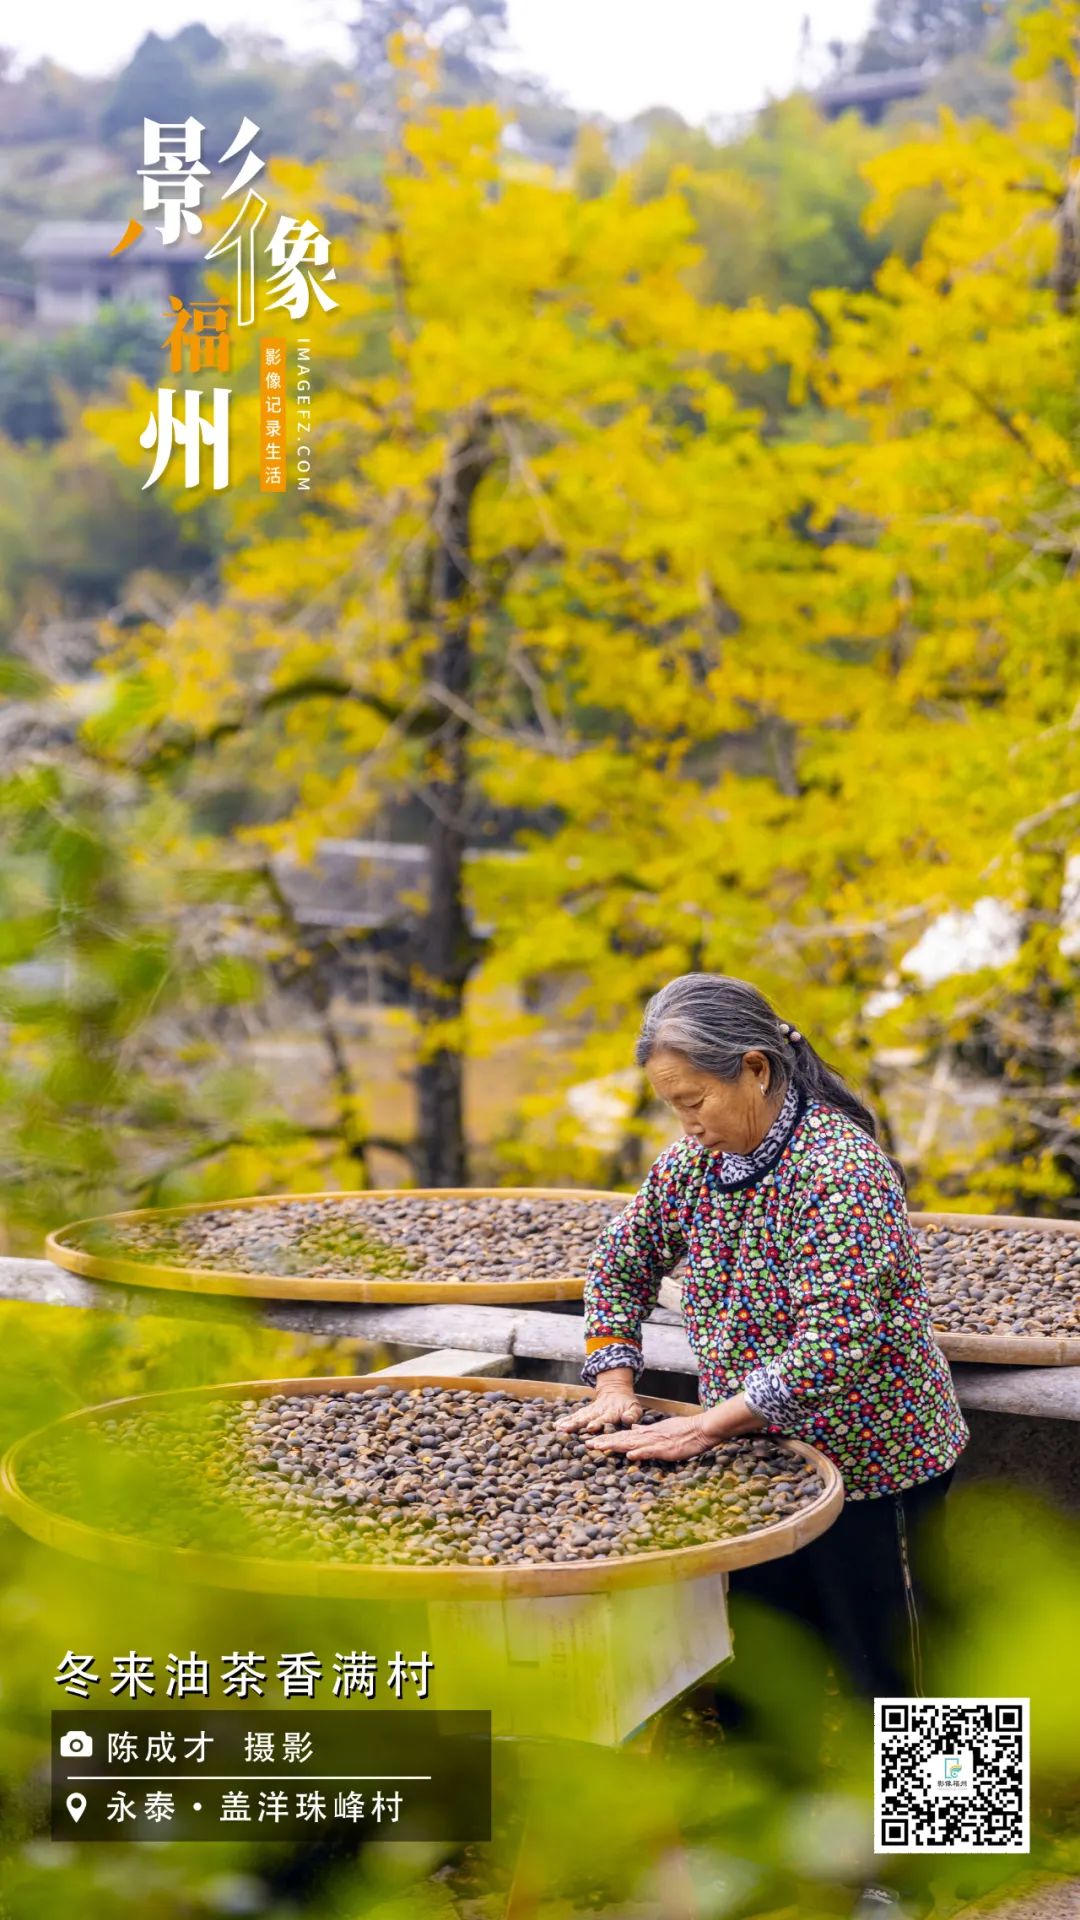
<point x="76" y="1746"/>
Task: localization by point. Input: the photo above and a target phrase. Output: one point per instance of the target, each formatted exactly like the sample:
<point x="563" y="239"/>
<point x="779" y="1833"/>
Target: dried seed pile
<point x="417" y="1476"/>
<point x="1004" y="1280"/>
<point x="395" y="1237"/>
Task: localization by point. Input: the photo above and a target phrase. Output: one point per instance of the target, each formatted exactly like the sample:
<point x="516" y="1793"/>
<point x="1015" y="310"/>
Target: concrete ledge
<point x="42" y="1284"/>
<point x="1040" y="1393"/>
<point x="458" y="1360"/>
<point x="1047" y="1393"/>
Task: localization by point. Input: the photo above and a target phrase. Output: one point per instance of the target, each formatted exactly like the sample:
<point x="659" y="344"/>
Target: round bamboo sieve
<point x="989" y="1349"/>
<point x="338" y="1579"/>
<point x="1006" y="1349"/>
<point x="61" y="1249"/>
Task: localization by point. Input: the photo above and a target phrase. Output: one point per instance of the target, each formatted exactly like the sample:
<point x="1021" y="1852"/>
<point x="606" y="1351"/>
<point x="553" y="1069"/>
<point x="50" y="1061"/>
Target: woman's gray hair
<point x="714" y="1020"/>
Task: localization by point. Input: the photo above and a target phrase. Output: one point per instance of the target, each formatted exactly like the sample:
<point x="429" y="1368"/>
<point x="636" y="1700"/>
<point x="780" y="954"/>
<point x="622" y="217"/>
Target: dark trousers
<point x="863" y="1599"/>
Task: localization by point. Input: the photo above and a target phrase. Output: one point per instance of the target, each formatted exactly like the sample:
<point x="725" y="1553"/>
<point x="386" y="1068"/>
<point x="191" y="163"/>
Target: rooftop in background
<point x="94" y="240"/>
<point x="871" y="93"/>
<point x="76" y="275"/>
<point x="360" y="883"/>
<point x="16" y="301"/>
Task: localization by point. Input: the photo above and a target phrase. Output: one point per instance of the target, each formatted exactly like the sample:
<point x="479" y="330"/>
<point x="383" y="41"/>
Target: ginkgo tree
<point x="550" y="562"/>
<point x="951" y="570"/>
<point x="539" y="513"/>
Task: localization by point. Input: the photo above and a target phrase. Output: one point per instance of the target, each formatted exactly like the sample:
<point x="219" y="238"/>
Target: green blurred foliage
<point x="778" y="210"/>
<point x="195" y="71"/>
<point x="595" y="1825"/>
<point x="79" y="538"/>
<point x="37" y="371"/>
<point x="93" y="1114"/>
<point x="735" y="1819"/>
<point x="52" y="1362"/>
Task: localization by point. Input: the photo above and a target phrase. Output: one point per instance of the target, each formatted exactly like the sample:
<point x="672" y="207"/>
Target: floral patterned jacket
<point x="803" y="1290"/>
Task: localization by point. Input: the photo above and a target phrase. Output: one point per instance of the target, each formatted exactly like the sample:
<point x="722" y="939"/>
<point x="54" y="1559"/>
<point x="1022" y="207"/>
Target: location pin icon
<point x="76" y="1805"/>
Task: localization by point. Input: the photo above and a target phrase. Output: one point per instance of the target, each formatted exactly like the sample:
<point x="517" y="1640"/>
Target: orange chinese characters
<point x="203" y="329"/>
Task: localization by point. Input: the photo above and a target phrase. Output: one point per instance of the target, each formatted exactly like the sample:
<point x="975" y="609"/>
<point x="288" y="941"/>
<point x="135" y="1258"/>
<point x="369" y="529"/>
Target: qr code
<point x="951" y="1776"/>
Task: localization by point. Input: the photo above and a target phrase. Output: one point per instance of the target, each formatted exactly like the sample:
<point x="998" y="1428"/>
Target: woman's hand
<point x="681" y="1437"/>
<point x="613" y="1401"/>
<point x="676" y="1439"/>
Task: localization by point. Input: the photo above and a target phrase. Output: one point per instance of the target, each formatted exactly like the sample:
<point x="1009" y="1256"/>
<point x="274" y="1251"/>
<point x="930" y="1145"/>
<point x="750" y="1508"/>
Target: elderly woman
<point x="803" y="1302"/>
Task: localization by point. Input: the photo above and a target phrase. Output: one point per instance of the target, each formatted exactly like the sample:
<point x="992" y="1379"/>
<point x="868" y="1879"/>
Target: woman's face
<point x="731" y="1115"/>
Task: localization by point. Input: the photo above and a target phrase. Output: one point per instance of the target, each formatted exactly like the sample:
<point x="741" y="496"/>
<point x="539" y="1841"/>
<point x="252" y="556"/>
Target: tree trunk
<point x="1067" y="263"/>
<point x="447" y="951"/>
